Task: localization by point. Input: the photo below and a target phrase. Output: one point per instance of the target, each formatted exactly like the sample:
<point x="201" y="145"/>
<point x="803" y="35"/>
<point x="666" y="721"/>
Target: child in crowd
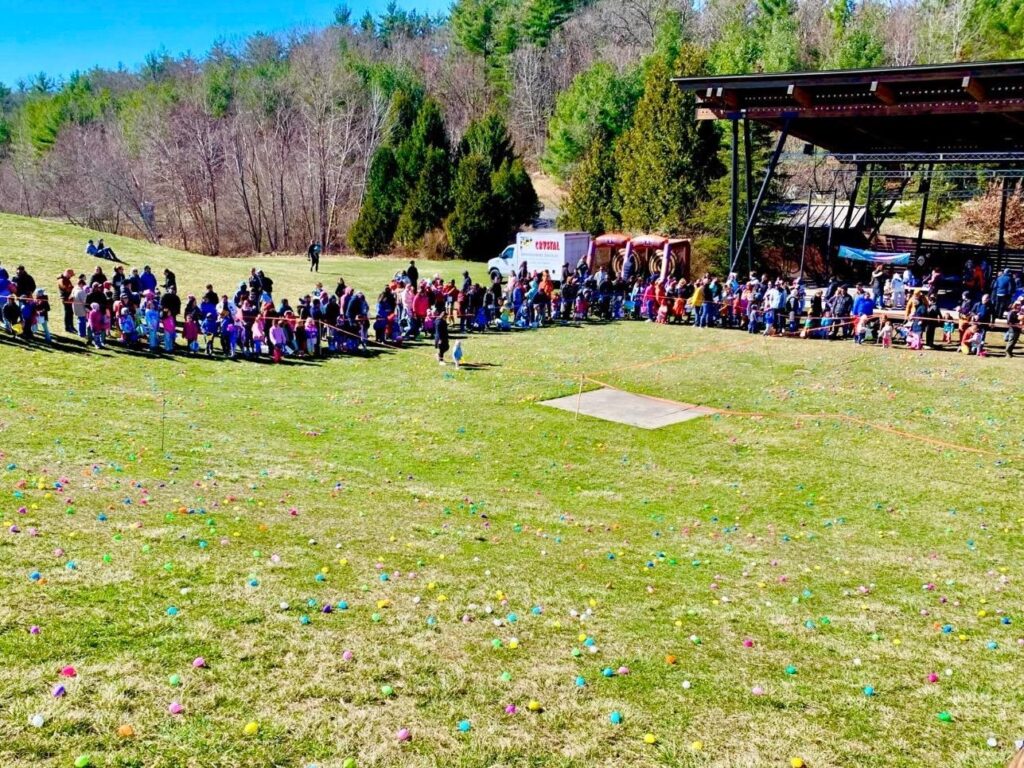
<point x="311" y="337"/>
<point x="126" y="323"/>
<point x="278" y="340"/>
<point x="42" y="314"/>
<point x="258" y="336"/>
<point x="191" y="332"/>
<point x="861" y="331"/>
<point x="209" y="331"/>
<point x="754" y="318"/>
<point x="947" y="331"/>
<point x="170" y="329"/>
<point x="887" y="333"/>
<point x="227" y="334"/>
<point x="97" y="325"/>
<point x="152" y="324"/>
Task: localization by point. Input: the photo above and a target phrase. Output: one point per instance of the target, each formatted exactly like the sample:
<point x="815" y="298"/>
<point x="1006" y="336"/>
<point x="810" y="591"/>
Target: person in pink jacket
<point x="97" y="325"/>
<point x="170" y="329"/>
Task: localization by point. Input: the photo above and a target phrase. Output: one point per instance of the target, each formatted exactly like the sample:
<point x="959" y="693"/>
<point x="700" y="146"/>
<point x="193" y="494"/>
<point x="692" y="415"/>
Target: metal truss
<point x="889" y="158"/>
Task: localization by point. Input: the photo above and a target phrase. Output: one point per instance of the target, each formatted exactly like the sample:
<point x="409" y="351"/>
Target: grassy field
<point x="780" y="580"/>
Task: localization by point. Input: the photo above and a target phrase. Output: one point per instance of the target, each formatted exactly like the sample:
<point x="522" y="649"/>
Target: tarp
<point x="875" y="257"/>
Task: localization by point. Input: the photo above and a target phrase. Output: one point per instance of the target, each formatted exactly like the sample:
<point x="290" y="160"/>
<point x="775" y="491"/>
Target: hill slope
<point x="47" y="248"/>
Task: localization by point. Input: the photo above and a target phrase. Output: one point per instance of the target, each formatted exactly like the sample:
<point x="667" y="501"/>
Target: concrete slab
<point x="627" y="408"/>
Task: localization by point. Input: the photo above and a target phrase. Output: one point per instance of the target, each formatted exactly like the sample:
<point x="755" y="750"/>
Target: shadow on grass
<point x="78" y="346"/>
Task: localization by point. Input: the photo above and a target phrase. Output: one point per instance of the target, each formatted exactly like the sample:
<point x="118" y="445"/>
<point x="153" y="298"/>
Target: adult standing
<point x="1013" y="332"/>
<point x="878" y="286"/>
<point x="79" y="306"/>
<point x="147" y="280"/>
<point x="441" y="338"/>
<point x="413" y="273"/>
<point x="26" y="283"/>
<point x="266" y="283"/>
<point x="899" y="291"/>
<point x="933" y="317"/>
<point x="313" y="254"/>
<point x="171" y="302"/>
<point x="1002" y="290"/>
<point x="65" y="287"/>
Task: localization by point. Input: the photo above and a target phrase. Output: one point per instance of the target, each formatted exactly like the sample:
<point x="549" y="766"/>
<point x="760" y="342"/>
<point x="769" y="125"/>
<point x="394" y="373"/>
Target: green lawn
<point x="223" y="490"/>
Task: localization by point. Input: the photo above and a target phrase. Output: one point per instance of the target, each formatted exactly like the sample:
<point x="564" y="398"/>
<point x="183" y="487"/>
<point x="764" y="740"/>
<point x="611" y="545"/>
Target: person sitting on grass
<point x="972" y="342"/>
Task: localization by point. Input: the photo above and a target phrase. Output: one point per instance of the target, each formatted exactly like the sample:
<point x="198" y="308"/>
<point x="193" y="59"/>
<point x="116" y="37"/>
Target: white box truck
<point x="541" y="251"/>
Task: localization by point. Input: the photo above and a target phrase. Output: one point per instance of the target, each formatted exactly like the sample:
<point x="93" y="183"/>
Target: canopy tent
<point x="875" y="257"/>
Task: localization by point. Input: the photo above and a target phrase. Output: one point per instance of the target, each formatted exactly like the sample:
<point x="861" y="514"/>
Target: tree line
<point x="414" y="131"/>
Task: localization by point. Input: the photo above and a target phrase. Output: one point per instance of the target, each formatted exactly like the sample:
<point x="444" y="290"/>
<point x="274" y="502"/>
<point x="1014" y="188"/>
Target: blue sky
<point x="62" y="37"/>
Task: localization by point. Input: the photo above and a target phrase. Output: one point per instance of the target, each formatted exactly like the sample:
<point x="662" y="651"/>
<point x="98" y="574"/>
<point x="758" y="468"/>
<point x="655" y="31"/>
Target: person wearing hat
<point x="65" y="287"/>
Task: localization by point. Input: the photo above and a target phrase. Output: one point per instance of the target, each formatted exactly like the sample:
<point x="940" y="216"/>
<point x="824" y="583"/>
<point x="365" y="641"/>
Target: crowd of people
<point x="139" y="311"/>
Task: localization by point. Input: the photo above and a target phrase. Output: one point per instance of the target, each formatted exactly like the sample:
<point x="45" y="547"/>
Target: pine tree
<point x="374" y="228"/>
<point x="470" y="226"/>
<point x="407" y="193"/>
<point x="429" y="202"/>
<point x="542" y="17"/>
<point x="475" y="24"/>
<point x="590" y="204"/>
<point x="489" y="138"/>
<point x="515" y="199"/>
<point x="665" y="160"/>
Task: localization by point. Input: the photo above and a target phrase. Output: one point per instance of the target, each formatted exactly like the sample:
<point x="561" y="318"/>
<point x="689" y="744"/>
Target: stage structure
<point x="883" y="125"/>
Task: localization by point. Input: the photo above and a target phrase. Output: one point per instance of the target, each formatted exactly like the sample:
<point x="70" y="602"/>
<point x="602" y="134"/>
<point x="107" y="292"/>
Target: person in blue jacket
<point x="147" y="280"/>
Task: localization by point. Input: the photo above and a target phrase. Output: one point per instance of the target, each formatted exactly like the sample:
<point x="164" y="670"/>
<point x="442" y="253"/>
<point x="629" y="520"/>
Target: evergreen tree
<point x="776" y="29"/>
<point x="489" y="138"/>
<point x="1000" y="29"/>
<point x="493" y="194"/>
<point x="470" y="226"/>
<point x="429" y="202"/>
<point x="542" y="17"/>
<point x="426" y="132"/>
<point x="406" y="194"/>
<point x="590" y="204"/>
<point x="476" y="25"/>
<point x="665" y="160"/>
<point x="514" y="197"/>
<point x="598" y="102"/>
<point x="857" y="36"/>
<point x="372" y="232"/>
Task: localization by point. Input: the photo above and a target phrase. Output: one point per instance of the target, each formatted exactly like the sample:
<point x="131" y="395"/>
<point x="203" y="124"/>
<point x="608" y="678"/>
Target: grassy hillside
<point x="47" y="248"/>
<point x="781" y="580"/>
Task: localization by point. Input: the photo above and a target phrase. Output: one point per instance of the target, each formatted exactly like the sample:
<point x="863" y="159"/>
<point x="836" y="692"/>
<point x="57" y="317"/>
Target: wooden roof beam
<point x="800" y="95"/>
<point x="974" y="88"/>
<point x="883" y="93"/>
<point x="728" y="98"/>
